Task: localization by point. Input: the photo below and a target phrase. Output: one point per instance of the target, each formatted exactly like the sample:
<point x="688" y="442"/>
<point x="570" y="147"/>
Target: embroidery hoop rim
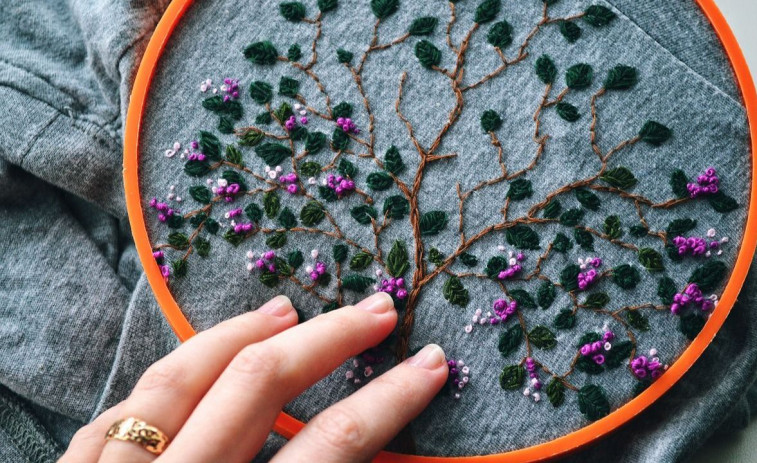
<point x="287" y="425"/>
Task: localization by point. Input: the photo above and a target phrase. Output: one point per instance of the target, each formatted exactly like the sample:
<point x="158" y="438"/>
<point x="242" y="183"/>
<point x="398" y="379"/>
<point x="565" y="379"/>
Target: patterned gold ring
<point x="135" y="430"/>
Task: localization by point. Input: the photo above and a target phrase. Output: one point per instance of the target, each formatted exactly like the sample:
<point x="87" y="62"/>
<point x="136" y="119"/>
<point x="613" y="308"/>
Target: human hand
<point x="217" y="396"/>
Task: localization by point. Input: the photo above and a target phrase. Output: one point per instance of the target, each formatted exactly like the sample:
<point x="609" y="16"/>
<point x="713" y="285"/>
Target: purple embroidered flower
<point x="586" y="279"/>
<point x="346" y="124"/>
<point x="226" y="189"/>
<point x="501" y="312"/>
<point x="514" y="267"/>
<point x="651" y="367"/>
<point x="316" y="271"/>
<point x="394" y="286"/>
<point x="692" y="295"/>
<point x="233" y="213"/>
<point x="290" y="180"/>
<point x="242" y="228"/>
<point x="290" y="123"/>
<point x="231" y="89"/>
<point x="535" y="384"/>
<point x="698" y="246"/>
<point x="267" y="262"/>
<point x="164" y="211"/>
<point x="165" y="270"/>
<point x="596" y="350"/>
<point x="707" y="184"/>
<point x="340" y="185"/>
<point x="459" y="376"/>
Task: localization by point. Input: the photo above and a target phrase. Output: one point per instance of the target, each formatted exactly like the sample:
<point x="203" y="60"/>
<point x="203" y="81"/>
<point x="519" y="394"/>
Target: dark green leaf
<point x="522" y="237"/>
<point x="234" y="156"/>
<point x="433" y="222"/>
<point x="565" y="320"/>
<point x="295" y="259"/>
<point x="384" y="8"/>
<point x="455" y="292"/>
<point x="579" y="76"/>
<point x="396" y="207"/>
<point x="339" y="140"/>
<point x="294" y="53"/>
<point x="525" y="300"/>
<point x="655" y="133"/>
<point x="556" y="392"/>
<point x="589" y="338"/>
<point x="620" y="353"/>
<point x="638" y="230"/>
<point x="637" y="320"/>
<point x="210" y="146"/>
<point x="571" y="217"/>
<point x="234" y="238"/>
<point x="423" y="26"/>
<point x="569" y="277"/>
<point x="542" y="338"/>
<point x="709" y="276"/>
<point x="435" y="257"/>
<point x="276" y="241"/>
<point x="315" y="142"/>
<point x="397" y="261"/>
<point x="592" y="402"/>
<point x="567" y="111"/>
<point x="428" y="55"/>
<point x="626" y="276"/>
<point x="588" y="366"/>
<point x="273" y="154"/>
<point x="490" y="121"/>
<point x="546" y="70"/>
<point x="666" y="289"/>
<point x="340" y="252"/>
<point x="546" y="294"/>
<point x="261" y="53"/>
<point x="179" y="268"/>
<point x="612" y="227"/>
<point x="587" y="199"/>
<point x="175" y="221"/>
<point x="393" y="161"/>
<point x="570" y="31"/>
<point x="511" y="377"/>
<point x="202" y="246"/>
<point x="327" y="194"/>
<point x="379" y="181"/>
<point x="261" y="92"/>
<point x="250" y="137"/>
<point x="200" y="194"/>
<point x="552" y="210"/>
<point x="679" y="227"/>
<point x="292" y="11"/>
<point x="691" y="324"/>
<point x="651" y="260"/>
<point x="562" y="243"/>
<point x="178" y="240"/>
<point x="344" y="56"/>
<point x="289" y="87"/>
<point x="271" y="204"/>
<point x="347" y="168"/>
<point x="584" y="238"/>
<point x="722" y="203"/>
<point x="232" y="176"/>
<point x="500" y="34"/>
<point x="310" y="169"/>
<point x="679" y="183"/>
<point x="231" y="109"/>
<point x="363" y="214"/>
<point x="312" y="214"/>
<point x="269" y="279"/>
<point x="619" y="177"/>
<point x="598" y="16"/>
<point x="327" y="5"/>
<point x="510" y="340"/>
<point x="361" y="261"/>
<point x="621" y="78"/>
<point x="469" y="260"/>
<point x="487" y="11"/>
<point x="597" y="300"/>
<point x="343" y="109"/>
<point x="211" y="226"/>
<point x="357" y="283"/>
<point x="225" y="125"/>
<point x="495" y="265"/>
<point x="298" y="133"/>
<point x="283" y="112"/>
<point x="520" y="189"/>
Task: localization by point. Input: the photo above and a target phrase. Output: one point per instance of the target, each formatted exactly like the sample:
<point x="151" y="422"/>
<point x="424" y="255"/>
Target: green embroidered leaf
<point x="666" y="289"/>
<point x="295" y="258"/>
<point x="357" y="283"/>
<point x="679" y="227"/>
<point x="315" y="142"/>
<point x="556" y="392"/>
<point x="619" y="354"/>
<point x="525" y="301"/>
<point x="234" y="238"/>
<point x="638" y="230"/>
<point x="709" y="276"/>
<point x="584" y="239"/>
<point x="294" y="53"/>
<point x="393" y="161"/>
<point x="579" y="76"/>
<point x="428" y="55"/>
<point x="587" y="365"/>
<point x="202" y="246"/>
<point x="587" y="199"/>
<point x="571" y="217"/>
<point x="672" y="253"/>
<point x="327" y="194"/>
<point x="546" y="294"/>
<point x="520" y="189"/>
<point x="343" y="109"/>
<point x="276" y="240"/>
<point x="651" y="260"/>
<point x="691" y="324"/>
<point x="612" y="227"/>
<point x="312" y="214"/>
<point x="511" y="377"/>
<point x="655" y="133"/>
<point x="588" y="338"/>
<point x="454" y="292"/>
<point x="500" y="34"/>
<point x="289" y="87"/>
<point x="269" y="279"/>
<point x="361" y="261"/>
<point x="569" y="277"/>
<point x="598" y="16"/>
<point x="179" y="268"/>
<point x="310" y="169"/>
<point x="273" y="154"/>
<point x="678" y="183"/>
<point x="621" y="78"/>
<point x="565" y="320"/>
<point x="347" y="168"/>
<point x="264" y="118"/>
<point x="469" y="260"/>
<point x="396" y="207"/>
<point x="552" y="210"/>
<point x="233" y="176"/>
<point x="225" y="125"/>
<point x="210" y="146"/>
<point x="263" y="53"/>
<point x="487" y="11"/>
<point x="570" y="30"/>
<point x="490" y="121"/>
<point x="625" y="276"/>
<point x="271" y="204"/>
<point x="331" y="306"/>
<point x="510" y="340"/>
<point x="495" y="265"/>
<point x="211" y="226"/>
<point x="200" y="194"/>
<point x="397" y="261"/>
<point x="343" y="56"/>
<point x="284" y="112"/>
<point x="722" y="203"/>
<point x="379" y="181"/>
<point x="546" y="70"/>
<point x="198" y="219"/>
<point x="567" y="112"/>
<point x="619" y="177"/>
<point x="298" y="133"/>
<point x="542" y="338"/>
<point x="363" y="214"/>
<point x="234" y="156"/>
<point x="435" y="257"/>
<point x="384" y="8"/>
<point x="433" y="222"/>
<point x="340" y="253"/>
<point x="423" y="26"/>
<point x="178" y="240"/>
<point x="232" y="109"/>
<point x="261" y="92"/>
<point x="327" y="5"/>
<point x="175" y="221"/>
<point x="292" y="11"/>
<point x="592" y="402"/>
<point x="637" y="320"/>
<point x="522" y="237"/>
<point x="562" y="243"/>
<point x="597" y="300"/>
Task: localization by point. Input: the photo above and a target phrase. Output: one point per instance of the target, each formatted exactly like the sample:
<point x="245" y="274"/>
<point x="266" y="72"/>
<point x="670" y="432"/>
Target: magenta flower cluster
<point x="585" y="279"/>
<point x="231" y="89"/>
<point x="290" y="180"/>
<point x="595" y="349"/>
<point x="694" y="245"/>
<point x="691" y="295"/>
<point x="395" y="287"/>
<point x="536" y="385"/>
<point x="340" y="185"/>
<point x="643" y="367"/>
<point x="164" y="212"/>
<point x="346" y="124"/>
<point x="234" y="213"/>
<point x="502" y="310"/>
<point x="228" y="191"/>
<point x="318" y="270"/>
<point x="514" y="267"/>
<point x="194" y="155"/>
<point x="707" y="184"/>
<point x="165" y="270"/>
<point x="241" y="228"/>
<point x="266" y="262"/>
<point x="362" y="366"/>
<point x="459" y="375"/>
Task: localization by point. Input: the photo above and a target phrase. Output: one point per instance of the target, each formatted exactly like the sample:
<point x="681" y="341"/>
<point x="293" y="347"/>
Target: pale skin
<point x="217" y="395"/>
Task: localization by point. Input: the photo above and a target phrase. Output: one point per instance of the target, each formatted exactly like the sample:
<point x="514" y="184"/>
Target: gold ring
<point x="135" y="430"/>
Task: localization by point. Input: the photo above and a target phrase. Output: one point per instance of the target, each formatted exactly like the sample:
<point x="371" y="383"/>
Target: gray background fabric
<point x="709" y="126"/>
<point x="64" y="79"/>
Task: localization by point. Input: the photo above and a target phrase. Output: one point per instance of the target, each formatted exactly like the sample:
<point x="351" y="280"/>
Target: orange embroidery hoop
<point x="287" y="425"/>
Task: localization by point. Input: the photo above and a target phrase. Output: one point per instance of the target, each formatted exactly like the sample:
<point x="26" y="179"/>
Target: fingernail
<point x="378" y="303"/>
<point x="278" y="306"/>
<point x="430" y="357"/>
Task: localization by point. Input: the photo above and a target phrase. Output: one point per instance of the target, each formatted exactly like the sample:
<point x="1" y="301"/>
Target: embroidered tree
<point x="293" y="134"/>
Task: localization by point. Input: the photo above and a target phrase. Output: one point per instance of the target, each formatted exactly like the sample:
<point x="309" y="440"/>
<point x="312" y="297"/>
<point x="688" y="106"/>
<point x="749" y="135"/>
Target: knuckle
<point x="340" y="428"/>
<point x="83" y="435"/>
<point x="162" y="376"/>
<point x="259" y="361"/>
